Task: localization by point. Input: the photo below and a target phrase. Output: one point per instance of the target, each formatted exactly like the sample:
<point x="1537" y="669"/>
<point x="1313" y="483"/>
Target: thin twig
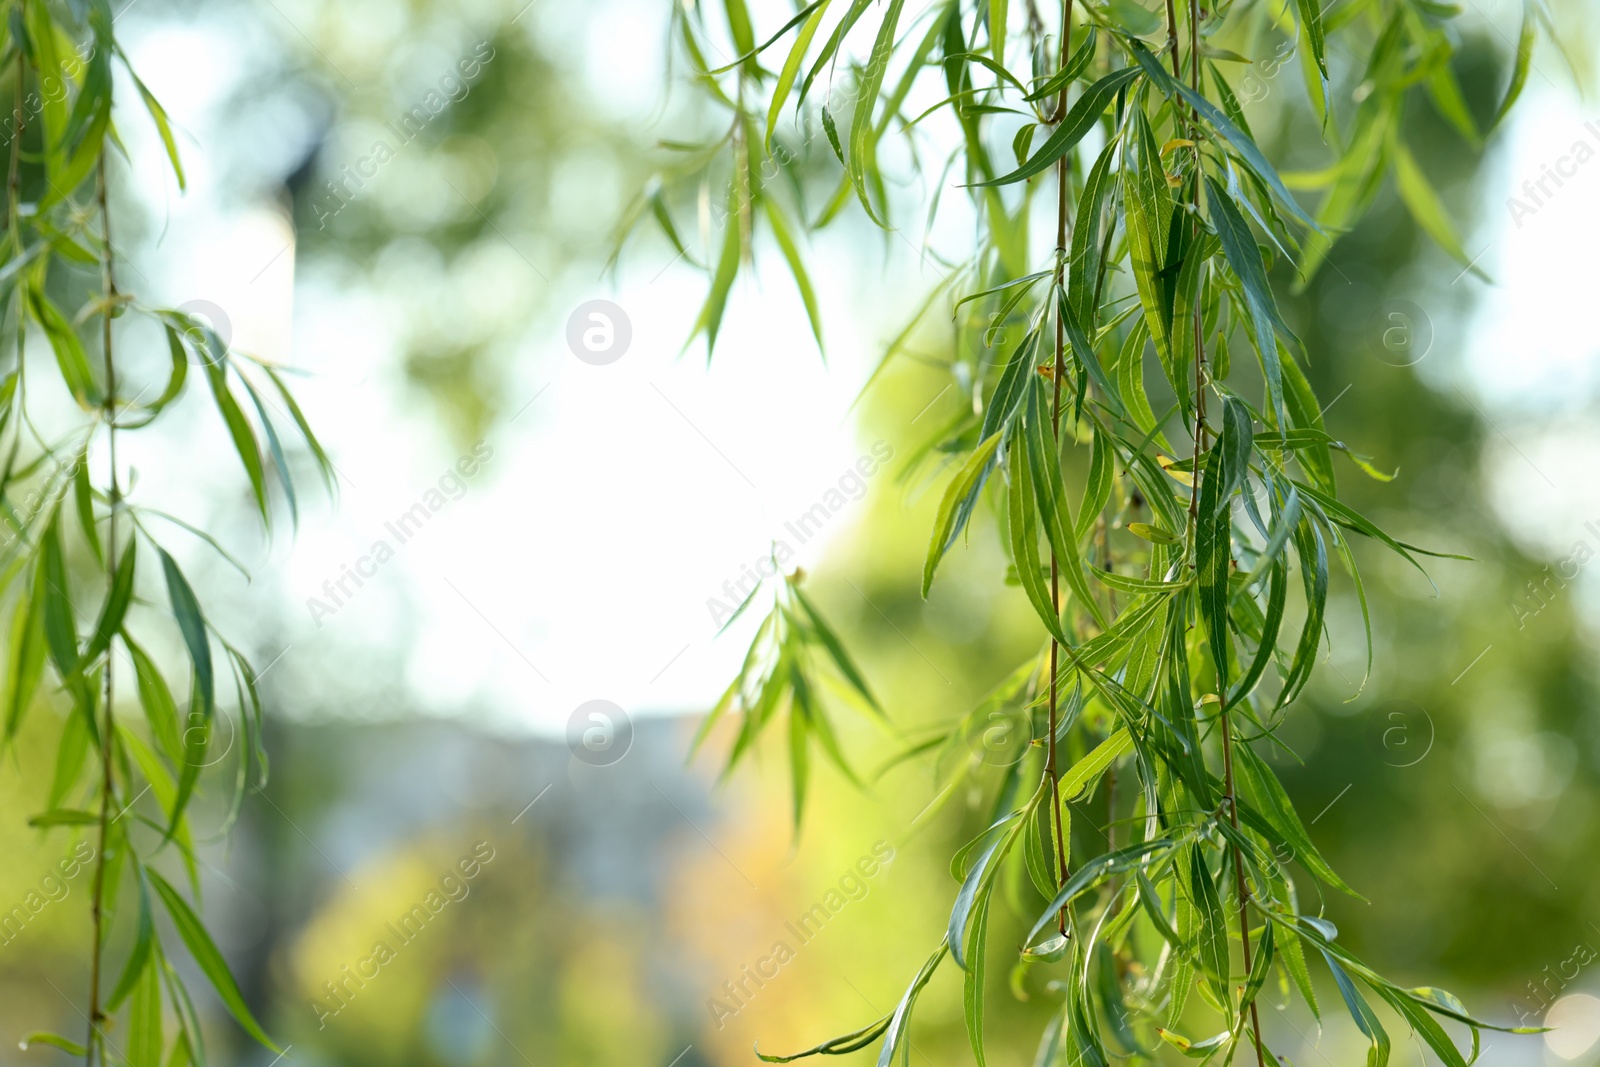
<point x="108" y="732"/>
<point x="1059" y="369"/>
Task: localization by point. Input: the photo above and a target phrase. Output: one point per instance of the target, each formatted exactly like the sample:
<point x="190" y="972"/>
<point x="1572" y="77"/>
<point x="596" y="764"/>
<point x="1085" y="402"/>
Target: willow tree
<point x="1137" y="418"/>
<point x="85" y="559"/>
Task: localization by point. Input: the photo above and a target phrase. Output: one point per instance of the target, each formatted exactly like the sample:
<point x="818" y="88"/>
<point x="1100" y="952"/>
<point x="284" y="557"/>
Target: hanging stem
<point x="1241" y="885"/>
<point x="14" y="219"/>
<point x="108" y="730"/>
<point x="1059" y="370"/>
<point x="14" y="171"/>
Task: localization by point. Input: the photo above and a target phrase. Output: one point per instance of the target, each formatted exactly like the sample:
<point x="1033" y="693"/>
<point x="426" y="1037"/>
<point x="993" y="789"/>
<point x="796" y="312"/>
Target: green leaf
<point x="972" y="980"/>
<point x="1097" y="490"/>
<point x="115" y="608"/>
<point x="1265" y="794"/>
<point x="1079" y="120"/>
<point x="894" y="1036"/>
<point x="1519" y="70"/>
<point x="863" y="138"/>
<point x="1054" y="513"/>
<point x="1091" y="873"/>
<point x="1083" y="351"/>
<point x="722" y="281"/>
<point x="83" y="500"/>
<point x="1426" y="208"/>
<point x="1365" y="1018"/>
<point x="1311" y="23"/>
<point x="1240" y="142"/>
<point x="158" y="114"/>
<point x="60" y="629"/>
<point x="244" y="438"/>
<point x="1077" y="63"/>
<point x="323" y="463"/>
<point x="831" y="47"/>
<point x="1022" y="509"/>
<point x="797" y="266"/>
<point x="1147" y="211"/>
<point x="1213" y="545"/>
<point x="980" y="877"/>
<point x="1085" y="265"/>
<point x="160" y="710"/>
<point x="1212" y="943"/>
<point x="1243" y="255"/>
<point x="1156" y="912"/>
<point x="959" y="497"/>
<point x="275" y="449"/>
<point x="1294" y="961"/>
<point x="1083" y="775"/>
<point x="25" y="657"/>
<point x="44" y="1037"/>
<point x="70" y="357"/>
<point x="1013" y="386"/>
<point x="1445" y="90"/>
<point x="791" y="65"/>
<point x="836" y="650"/>
<point x="207" y="958"/>
<point x="140" y="960"/>
<point x="64" y="817"/>
<point x="837" y="1046"/>
<point x="144" y="1021"/>
<point x="1154" y="534"/>
<point x="744" y="36"/>
<point x="192" y="624"/>
<point x="799" y="754"/>
<point x="71" y="753"/>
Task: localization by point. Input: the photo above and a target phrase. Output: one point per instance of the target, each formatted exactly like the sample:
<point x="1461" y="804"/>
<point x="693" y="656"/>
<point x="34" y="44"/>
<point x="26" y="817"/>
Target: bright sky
<point x="578" y="561"/>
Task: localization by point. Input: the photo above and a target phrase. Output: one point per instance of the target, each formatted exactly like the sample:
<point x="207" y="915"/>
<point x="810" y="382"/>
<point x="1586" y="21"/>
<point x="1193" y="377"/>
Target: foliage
<point x="85" y="560"/>
<point x="1177" y="555"/>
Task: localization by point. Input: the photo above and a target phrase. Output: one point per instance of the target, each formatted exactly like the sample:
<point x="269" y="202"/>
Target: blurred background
<point x="411" y="201"/>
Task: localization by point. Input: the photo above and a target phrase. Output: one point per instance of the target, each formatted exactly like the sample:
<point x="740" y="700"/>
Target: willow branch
<point x="108" y="731"/>
<point x="1059" y="367"/>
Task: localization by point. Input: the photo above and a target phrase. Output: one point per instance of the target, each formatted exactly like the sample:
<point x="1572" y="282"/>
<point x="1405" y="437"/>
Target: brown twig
<point x="108" y="732"/>
<point x="1059" y="368"/>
